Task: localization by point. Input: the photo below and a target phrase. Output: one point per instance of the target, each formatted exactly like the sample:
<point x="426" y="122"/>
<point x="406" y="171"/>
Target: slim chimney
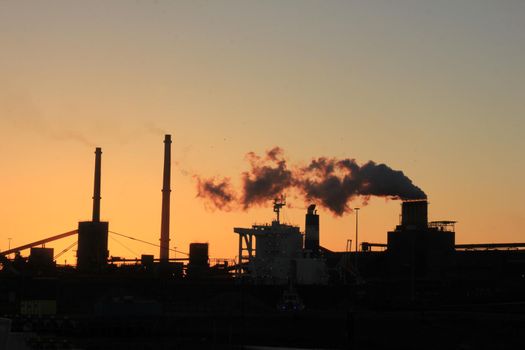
<point x="165" y="223"/>
<point x="96" y="191"/>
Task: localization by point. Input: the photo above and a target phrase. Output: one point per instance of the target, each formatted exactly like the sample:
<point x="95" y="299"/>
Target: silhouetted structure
<point x="166" y="191"/>
<point x="92" y="253"/>
<point x="419" y="280"/>
<point x="311" y="230"/>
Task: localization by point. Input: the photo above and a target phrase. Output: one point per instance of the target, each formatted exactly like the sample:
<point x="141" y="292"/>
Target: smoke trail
<point x="155" y="129"/>
<point x="381" y="180"/>
<point x="21" y="112"/>
<point x="72" y="135"/>
<point x="332" y="183"/>
<point x="325" y="182"/>
<point x="218" y="192"/>
<point x="267" y="178"/>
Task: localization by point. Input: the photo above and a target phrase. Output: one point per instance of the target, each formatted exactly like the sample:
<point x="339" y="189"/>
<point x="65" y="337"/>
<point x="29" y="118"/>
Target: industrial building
<point x="279" y="254"/>
<point x="280" y="268"/>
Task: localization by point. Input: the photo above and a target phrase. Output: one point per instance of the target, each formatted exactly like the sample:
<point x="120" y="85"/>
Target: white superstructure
<point x="276" y="256"/>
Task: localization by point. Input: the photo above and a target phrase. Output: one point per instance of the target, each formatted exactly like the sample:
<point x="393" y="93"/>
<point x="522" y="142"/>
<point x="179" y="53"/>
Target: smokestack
<point x="96" y="190"/>
<point x="92" y="253"/>
<point x="414" y="214"/>
<point x="165" y="223"/>
<point x="311" y="231"/>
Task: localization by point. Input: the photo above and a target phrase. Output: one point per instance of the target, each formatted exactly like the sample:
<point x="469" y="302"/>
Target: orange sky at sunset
<point x="434" y="89"/>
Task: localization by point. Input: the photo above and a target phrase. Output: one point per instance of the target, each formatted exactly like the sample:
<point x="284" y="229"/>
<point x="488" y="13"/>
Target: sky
<point x="435" y="89"/>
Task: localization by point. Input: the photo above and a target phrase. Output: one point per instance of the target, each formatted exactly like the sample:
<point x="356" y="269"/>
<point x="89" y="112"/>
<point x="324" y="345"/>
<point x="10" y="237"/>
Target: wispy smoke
<point x="267" y="178"/>
<point x="154" y="128"/>
<point x="23" y="113"/>
<point x="332" y="183"/>
<point x="72" y="135"/>
<point x="218" y="192"/>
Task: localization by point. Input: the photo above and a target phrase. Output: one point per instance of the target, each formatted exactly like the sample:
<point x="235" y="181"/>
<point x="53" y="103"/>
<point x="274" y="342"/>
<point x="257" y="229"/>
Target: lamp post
<point x="356" y="234"/>
<point x="9" y="244"/>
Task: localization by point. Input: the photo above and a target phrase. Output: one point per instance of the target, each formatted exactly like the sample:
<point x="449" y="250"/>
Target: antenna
<point x="278" y="203"/>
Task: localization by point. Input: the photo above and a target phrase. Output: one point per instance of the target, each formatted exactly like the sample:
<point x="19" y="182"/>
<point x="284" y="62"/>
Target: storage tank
<point x="199" y="254"/>
<point x="92" y="253"/>
<point x="198" y="265"/>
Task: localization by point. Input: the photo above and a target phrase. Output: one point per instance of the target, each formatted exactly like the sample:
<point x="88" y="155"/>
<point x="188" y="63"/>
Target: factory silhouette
<point x="419" y="290"/>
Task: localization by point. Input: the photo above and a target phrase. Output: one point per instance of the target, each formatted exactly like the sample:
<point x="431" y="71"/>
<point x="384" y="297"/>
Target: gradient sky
<point x="433" y="88"/>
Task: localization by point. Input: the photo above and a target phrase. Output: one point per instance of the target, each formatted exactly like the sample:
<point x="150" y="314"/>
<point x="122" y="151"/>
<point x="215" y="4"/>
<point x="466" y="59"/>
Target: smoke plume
<point x="267" y="178"/>
<point x="218" y="192"/>
<point x="334" y="183"/>
<point x="329" y="182"/>
<point x="155" y="129"/>
<point x="72" y="135"/>
<point x="21" y="112"/>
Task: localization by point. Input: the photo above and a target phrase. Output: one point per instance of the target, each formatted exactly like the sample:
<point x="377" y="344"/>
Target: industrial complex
<point x="285" y="289"/>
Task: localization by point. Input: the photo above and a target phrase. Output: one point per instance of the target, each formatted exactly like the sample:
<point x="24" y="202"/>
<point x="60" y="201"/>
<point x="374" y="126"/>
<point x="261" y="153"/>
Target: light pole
<point x="9" y="244"/>
<point x="356" y="234"/>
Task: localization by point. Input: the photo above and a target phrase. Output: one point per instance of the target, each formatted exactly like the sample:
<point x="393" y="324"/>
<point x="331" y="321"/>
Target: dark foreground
<point x="481" y="327"/>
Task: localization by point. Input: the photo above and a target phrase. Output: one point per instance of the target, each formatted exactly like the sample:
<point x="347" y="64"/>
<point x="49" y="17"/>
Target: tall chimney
<point x="96" y="191"/>
<point x="165" y="223"/>
<point x="92" y="252"/>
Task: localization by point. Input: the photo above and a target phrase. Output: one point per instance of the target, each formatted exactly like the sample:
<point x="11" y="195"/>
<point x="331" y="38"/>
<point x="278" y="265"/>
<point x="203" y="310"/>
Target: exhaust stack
<point x="414" y="213"/>
<point x="165" y="221"/>
<point x="96" y="190"/>
<point x="311" y="241"/>
<point x="92" y="252"/>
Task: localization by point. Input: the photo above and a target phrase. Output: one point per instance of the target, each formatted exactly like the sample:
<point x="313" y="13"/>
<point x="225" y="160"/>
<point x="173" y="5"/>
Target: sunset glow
<point x="340" y="80"/>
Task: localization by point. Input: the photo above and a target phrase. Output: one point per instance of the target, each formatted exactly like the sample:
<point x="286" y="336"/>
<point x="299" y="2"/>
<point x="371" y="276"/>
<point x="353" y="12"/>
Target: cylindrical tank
<point x="414" y="214"/>
<point x="311" y="232"/>
<point x="198" y="265"/>
<point x="92" y="253"/>
<point x="199" y="254"/>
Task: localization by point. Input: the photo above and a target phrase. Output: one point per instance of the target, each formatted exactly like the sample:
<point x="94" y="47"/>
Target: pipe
<point x="40" y="242"/>
<point x="96" y="190"/>
<point x="165" y="220"/>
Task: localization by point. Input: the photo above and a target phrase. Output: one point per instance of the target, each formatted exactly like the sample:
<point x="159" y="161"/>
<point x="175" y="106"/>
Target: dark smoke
<point x="332" y="183"/>
<point x="267" y="178"/>
<point x="381" y="180"/>
<point x="218" y="192"/>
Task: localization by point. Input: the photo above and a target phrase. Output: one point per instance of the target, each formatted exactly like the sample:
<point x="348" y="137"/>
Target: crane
<point x="37" y="243"/>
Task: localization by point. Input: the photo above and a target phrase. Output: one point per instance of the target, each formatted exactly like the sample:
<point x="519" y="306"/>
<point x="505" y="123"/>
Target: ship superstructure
<point x="276" y="253"/>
